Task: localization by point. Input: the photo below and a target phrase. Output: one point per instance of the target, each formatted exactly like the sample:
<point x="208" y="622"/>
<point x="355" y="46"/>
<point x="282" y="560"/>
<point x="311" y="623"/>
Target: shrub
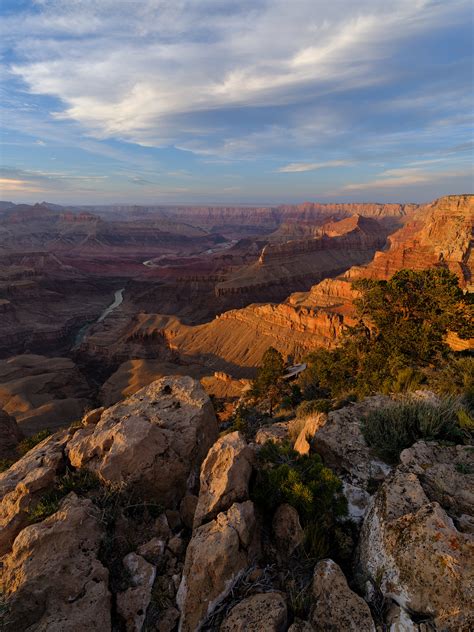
<point x="247" y="420"/>
<point x="313" y="406"/>
<point x="302" y="481"/>
<point x="27" y="444"/>
<point x="391" y="429"/>
<point x="407" y="379"/>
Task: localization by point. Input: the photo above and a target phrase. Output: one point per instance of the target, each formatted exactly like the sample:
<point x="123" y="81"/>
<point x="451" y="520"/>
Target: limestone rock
<point x="265" y="612"/>
<point x="155" y="440"/>
<point x="25" y="481"/>
<point x="336" y="607"/>
<point x="10" y="435"/>
<point x="342" y="446"/>
<point x="225" y="475"/>
<point x="310" y="425"/>
<point x="219" y="552"/>
<point x="132" y="604"/>
<point x="417" y="555"/>
<point x="446" y="473"/>
<point x="92" y="416"/>
<point x="287" y="530"/>
<point x="278" y="433"/>
<point x="53" y="580"/>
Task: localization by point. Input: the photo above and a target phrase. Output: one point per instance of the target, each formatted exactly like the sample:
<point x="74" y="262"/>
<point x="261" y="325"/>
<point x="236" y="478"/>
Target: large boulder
<point x="52" y="578"/>
<point x="25" y="481"/>
<point x="225" y="475"/>
<point x="343" y="448"/>
<point x="218" y="553"/>
<point x="155" y="440"/>
<point x="336" y="607"/>
<point x="265" y="612"/>
<point x="410" y="547"/>
<point x="446" y="473"/>
<point x="10" y="435"/>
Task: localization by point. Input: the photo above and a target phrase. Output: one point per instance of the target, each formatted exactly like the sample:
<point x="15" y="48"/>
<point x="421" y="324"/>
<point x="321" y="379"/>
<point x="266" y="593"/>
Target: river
<point x="118" y="300"/>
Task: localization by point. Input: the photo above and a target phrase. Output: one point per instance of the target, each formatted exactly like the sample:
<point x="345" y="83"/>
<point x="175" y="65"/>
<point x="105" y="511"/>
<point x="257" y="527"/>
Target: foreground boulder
<point x="336" y="607"/>
<point x="154" y="440"/>
<point x="225" y="475"/>
<point x="52" y="578"/>
<point x="259" y="613"/>
<point x="25" y="481"/>
<point x="446" y="473"/>
<point x="218" y="553"/>
<point x="410" y="547"/>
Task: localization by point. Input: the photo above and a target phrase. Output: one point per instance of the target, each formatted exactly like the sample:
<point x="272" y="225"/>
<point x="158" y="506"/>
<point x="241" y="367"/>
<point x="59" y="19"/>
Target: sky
<point x="242" y="102"/>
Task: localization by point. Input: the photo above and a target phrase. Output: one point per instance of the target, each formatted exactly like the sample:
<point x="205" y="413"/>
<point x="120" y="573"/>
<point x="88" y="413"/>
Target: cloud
<point x="404" y="177"/>
<point x="298" y="167"/>
<point x="150" y="72"/>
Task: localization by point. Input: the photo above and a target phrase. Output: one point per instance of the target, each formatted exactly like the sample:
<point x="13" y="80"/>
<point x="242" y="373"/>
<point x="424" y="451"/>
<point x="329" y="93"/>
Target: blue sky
<point x="257" y="101"/>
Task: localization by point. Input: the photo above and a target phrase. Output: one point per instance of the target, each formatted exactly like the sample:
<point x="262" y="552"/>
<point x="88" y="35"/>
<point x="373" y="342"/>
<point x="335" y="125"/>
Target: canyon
<point x="133" y="491"/>
<point x="220" y="284"/>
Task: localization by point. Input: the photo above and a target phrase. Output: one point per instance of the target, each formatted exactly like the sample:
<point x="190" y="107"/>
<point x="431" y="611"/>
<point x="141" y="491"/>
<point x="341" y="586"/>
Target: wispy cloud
<point x="405" y="177"/>
<point x="298" y="167"/>
<point x="138" y="69"/>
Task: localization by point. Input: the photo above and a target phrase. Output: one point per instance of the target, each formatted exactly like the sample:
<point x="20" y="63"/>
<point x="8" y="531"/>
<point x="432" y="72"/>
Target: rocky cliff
<point x="440" y="235"/>
<point x="141" y="518"/>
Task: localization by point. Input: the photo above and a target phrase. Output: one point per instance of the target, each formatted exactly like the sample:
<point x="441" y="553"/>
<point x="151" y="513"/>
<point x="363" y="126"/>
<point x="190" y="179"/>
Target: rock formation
<point x="167" y="427"/>
<point x="434" y="581"/>
<point x="336" y="606"/>
<point x="106" y="525"/>
<point x="218" y="553"/>
<point x="52" y="577"/>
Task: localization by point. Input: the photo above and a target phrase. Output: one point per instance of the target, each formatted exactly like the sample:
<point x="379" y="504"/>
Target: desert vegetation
<point x="399" y="342"/>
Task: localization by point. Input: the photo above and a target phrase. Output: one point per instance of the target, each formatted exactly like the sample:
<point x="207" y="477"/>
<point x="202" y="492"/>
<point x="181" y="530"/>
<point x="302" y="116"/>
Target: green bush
<point x="391" y="429"/>
<point x="407" y="379"/>
<point x="399" y="337"/>
<point x="247" y="420"/>
<point x="302" y="481"/>
<point x="27" y="444"/>
<point x="305" y="409"/>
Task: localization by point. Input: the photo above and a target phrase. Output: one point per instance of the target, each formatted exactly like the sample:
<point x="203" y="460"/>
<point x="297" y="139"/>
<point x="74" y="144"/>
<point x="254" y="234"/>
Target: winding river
<point x="118" y="300"/>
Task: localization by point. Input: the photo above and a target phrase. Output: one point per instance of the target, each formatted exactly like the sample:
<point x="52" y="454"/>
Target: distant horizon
<point x="230" y="203"/>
